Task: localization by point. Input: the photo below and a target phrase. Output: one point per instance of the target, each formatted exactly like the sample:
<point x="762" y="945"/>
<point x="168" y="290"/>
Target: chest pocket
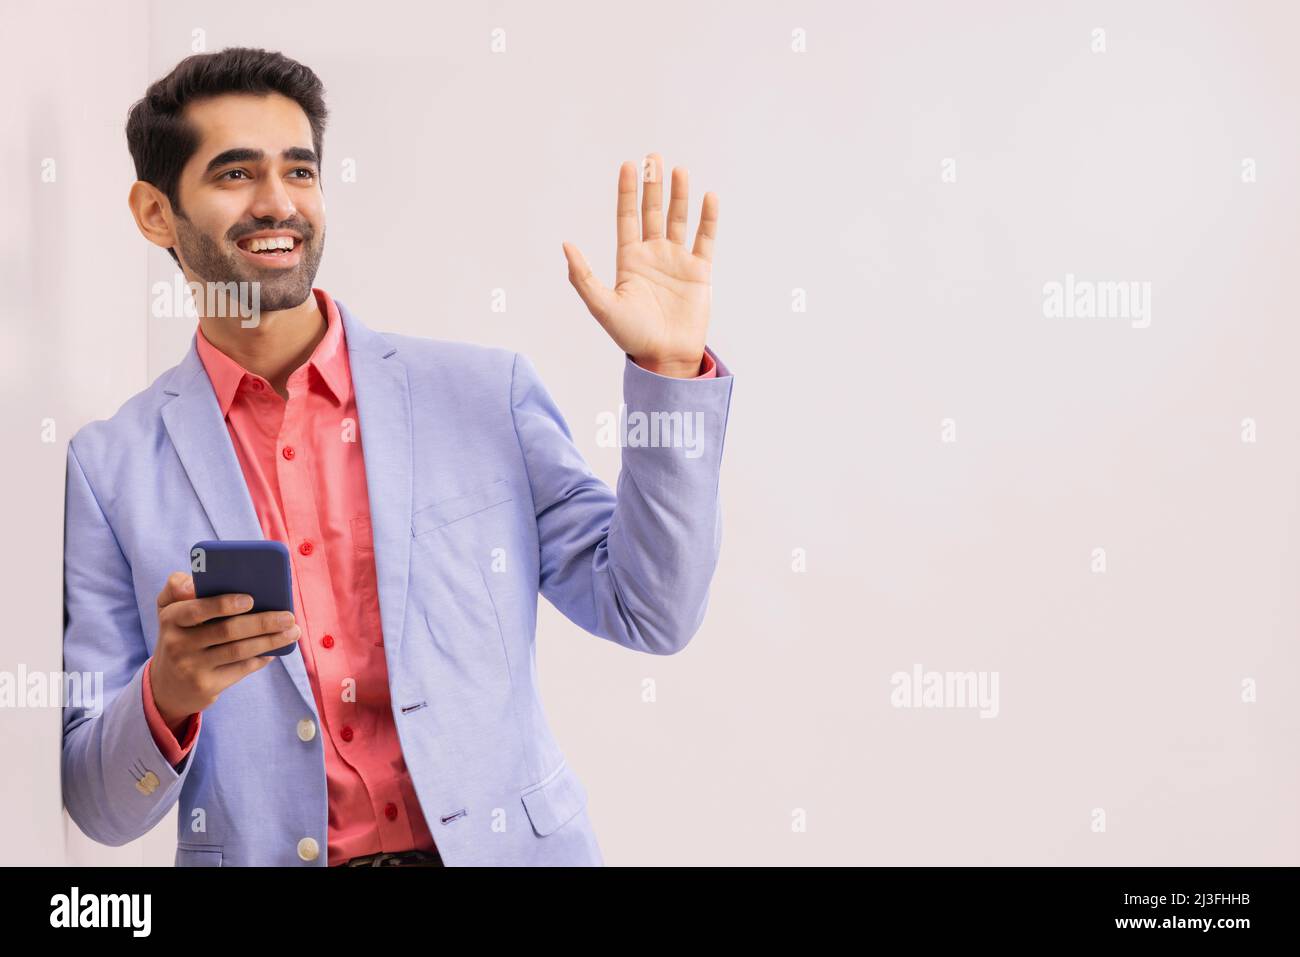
<point x="449" y="589"/>
<point x="453" y="509"/>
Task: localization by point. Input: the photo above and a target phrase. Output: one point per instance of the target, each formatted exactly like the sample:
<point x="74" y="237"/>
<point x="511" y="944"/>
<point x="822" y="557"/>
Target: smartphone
<point x="259" y="568"/>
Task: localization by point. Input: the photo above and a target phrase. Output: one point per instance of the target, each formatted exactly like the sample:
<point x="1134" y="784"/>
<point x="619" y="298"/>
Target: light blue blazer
<point x="466" y="454"/>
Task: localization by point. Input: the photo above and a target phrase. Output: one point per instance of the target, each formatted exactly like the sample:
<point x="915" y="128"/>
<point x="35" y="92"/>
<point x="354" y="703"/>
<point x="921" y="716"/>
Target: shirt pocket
<point x="363" y="539"/>
<point x="365" y="587"/>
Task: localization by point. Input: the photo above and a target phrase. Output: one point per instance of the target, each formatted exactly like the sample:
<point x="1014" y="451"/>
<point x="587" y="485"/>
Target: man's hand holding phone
<point x="197" y="658"/>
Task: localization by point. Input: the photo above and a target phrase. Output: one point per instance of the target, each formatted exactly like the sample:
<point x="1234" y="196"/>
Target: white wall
<point x="72" y="348"/>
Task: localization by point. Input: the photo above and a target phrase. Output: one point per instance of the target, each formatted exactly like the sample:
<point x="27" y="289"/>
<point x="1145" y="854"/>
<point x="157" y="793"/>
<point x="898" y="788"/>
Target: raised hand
<point x="658" y="310"/>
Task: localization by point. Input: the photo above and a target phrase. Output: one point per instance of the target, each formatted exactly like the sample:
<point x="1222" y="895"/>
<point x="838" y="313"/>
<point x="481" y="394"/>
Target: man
<point x="428" y="491"/>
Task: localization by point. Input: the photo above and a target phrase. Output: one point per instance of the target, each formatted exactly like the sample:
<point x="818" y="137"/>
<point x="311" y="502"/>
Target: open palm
<point x="658" y="310"/>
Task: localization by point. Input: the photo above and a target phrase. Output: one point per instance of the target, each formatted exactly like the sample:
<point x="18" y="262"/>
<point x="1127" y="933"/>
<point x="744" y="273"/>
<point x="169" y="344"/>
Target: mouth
<point x="275" y="252"/>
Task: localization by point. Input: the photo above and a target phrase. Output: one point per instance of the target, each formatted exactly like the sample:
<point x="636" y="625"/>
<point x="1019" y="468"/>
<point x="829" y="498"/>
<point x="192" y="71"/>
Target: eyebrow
<point x="242" y="154"/>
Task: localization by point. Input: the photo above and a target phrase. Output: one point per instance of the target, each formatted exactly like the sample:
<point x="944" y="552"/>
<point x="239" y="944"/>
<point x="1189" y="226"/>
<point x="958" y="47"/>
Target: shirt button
<point x="328" y="641"/>
<point x="305" y="548"/>
<point x="257" y="385"/>
<point x="287" y="451"/>
<point x="346" y="733"/>
<point x="308" y="849"/>
<point x="306" y="729"/>
<point x="390" y="811"/>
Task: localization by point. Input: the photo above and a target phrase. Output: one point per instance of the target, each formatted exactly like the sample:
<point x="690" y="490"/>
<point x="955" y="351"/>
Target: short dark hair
<point x="161" y="143"/>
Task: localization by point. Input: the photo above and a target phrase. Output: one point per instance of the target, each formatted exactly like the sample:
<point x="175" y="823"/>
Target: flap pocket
<point x="198" y="855"/>
<point x="555" y="800"/>
<point x="460" y="506"/>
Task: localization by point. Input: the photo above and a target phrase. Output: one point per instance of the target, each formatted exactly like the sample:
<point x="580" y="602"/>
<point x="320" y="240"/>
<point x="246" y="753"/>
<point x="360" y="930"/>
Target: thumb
<point x="589" y="288"/>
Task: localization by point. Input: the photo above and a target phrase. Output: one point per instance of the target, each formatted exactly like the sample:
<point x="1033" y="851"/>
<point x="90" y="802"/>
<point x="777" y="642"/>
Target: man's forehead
<point x="270" y="122"/>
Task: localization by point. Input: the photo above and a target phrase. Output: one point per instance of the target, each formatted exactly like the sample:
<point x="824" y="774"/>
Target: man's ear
<point x="153" y="214"/>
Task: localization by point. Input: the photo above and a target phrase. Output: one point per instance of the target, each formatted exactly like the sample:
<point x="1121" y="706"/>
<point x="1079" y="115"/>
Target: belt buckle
<point x="369" y="860"/>
<point x="394" y="858"/>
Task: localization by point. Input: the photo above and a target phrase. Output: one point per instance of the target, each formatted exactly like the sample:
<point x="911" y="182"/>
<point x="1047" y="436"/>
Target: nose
<point x="272" y="201"/>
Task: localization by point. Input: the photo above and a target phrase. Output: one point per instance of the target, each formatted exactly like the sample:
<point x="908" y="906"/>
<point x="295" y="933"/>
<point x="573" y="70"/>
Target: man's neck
<point x="279" y="343"/>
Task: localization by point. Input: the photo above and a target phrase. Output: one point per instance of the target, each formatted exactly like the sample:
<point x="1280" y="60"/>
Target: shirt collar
<point x="329" y="359"/>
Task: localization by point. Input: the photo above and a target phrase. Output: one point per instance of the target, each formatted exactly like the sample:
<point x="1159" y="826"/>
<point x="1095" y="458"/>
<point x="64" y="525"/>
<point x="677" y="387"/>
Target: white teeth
<point x="276" y="242"/>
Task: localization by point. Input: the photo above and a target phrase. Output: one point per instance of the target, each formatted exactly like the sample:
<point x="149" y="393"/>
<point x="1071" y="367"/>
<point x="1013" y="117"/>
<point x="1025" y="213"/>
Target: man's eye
<point x="232" y="173"/>
<point x="303" y="169"/>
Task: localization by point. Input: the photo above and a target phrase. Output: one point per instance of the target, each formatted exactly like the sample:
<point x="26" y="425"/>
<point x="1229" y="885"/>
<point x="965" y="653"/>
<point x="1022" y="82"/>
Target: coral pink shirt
<point x="303" y="464"/>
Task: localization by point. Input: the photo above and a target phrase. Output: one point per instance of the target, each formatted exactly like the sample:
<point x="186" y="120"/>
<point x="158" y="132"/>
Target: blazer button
<point x="306" y="729"/>
<point x="308" y="849"/>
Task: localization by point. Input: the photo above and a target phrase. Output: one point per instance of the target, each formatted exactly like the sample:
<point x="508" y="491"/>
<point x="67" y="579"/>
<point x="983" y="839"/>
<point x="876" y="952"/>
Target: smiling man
<point x="428" y="492"/>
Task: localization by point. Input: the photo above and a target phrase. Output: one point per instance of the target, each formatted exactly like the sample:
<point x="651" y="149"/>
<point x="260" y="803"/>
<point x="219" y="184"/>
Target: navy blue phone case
<point x="259" y="568"/>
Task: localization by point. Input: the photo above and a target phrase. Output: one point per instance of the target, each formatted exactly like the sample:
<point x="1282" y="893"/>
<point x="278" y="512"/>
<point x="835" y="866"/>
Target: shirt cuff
<point x="708" y="367"/>
<point x="172" y="750"/>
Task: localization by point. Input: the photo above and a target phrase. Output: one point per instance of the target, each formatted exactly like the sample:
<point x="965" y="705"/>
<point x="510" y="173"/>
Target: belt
<point x="413" y="858"/>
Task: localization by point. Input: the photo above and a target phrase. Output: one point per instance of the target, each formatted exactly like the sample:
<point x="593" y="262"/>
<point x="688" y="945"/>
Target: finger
<point x="677" y="207"/>
<point x="233" y="652"/>
<point x="195" y="611"/>
<point x="652" y="197"/>
<point x="708" y="227"/>
<point x="227" y="675"/>
<point x="245" y="626"/>
<point x="179" y="587"/>
<point x="628" y="226"/>
<point x="592" y="291"/>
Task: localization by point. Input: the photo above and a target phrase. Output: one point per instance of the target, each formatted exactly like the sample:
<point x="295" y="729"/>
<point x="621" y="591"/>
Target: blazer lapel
<point x="198" y="432"/>
<point x="384" y="408"/>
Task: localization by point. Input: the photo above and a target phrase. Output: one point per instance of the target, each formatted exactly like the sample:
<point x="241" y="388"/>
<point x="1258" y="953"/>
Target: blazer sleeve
<point x="632" y="567"/>
<point x="117" y="784"/>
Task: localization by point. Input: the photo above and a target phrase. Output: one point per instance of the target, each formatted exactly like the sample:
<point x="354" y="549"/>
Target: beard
<point x="280" y="288"/>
